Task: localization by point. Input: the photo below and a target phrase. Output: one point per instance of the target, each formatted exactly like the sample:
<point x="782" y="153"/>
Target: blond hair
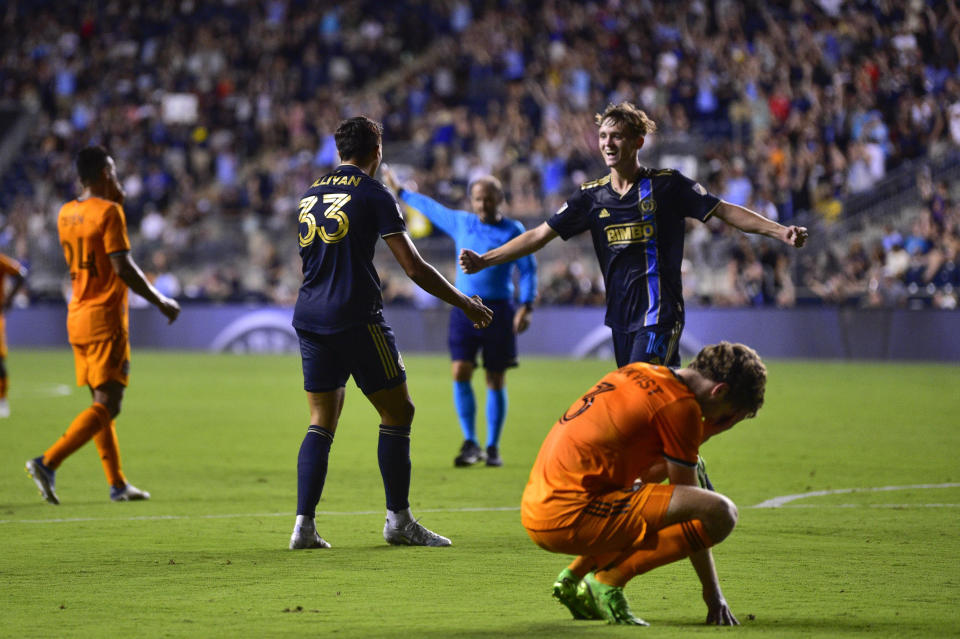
<point x="738" y="366"/>
<point x="637" y="122"/>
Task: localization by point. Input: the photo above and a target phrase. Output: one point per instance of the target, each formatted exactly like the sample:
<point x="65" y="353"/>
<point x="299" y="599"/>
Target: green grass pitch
<point x="215" y="439"/>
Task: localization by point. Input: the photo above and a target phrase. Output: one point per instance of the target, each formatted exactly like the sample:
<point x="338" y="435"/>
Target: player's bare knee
<point x="722" y="519"/>
<point x="405" y="412"/>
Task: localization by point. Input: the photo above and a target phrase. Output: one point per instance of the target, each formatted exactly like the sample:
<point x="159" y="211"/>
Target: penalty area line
<point x="320" y="513"/>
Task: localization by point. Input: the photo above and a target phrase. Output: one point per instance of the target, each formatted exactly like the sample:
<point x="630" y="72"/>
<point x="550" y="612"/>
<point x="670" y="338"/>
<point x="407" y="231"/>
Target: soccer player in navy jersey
<point x="635" y="216"/>
<point x="338" y="318"/>
<point x="482" y="230"/>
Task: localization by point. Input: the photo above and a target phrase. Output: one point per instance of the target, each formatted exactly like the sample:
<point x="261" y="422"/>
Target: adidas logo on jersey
<point x="604" y="213"/>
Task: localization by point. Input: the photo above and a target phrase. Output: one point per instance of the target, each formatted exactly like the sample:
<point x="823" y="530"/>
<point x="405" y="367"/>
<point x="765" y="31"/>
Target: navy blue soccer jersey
<point x="639" y="242"/>
<point x="342" y="215"/>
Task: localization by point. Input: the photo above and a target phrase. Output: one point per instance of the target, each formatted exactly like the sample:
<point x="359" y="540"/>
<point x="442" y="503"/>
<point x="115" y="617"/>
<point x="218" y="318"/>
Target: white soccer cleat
<point x="413" y="534"/>
<point x="128" y="492"/>
<point x="4" y="408"/>
<point x="44" y="478"/>
<point x="305" y="535"/>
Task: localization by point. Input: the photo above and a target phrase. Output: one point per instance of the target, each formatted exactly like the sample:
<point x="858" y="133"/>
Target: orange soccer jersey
<point x="90" y="230"/>
<point x="625" y="425"/>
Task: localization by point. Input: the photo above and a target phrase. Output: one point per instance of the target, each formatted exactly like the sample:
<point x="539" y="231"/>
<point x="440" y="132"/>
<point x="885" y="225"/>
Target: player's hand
<point x="390" y="178"/>
<point x="718" y="612"/>
<point x="170" y="308"/>
<point x="521" y="320"/>
<point x="480" y="315"/>
<point x="796" y="236"/>
<point x="115" y="193"/>
<point x="471" y="262"/>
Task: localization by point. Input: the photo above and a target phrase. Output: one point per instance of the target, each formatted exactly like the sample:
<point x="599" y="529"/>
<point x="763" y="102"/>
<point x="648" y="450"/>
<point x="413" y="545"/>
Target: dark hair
<point x="357" y="138"/>
<point x="740" y="367"/>
<point x="635" y="121"/>
<point x="91" y="161"/>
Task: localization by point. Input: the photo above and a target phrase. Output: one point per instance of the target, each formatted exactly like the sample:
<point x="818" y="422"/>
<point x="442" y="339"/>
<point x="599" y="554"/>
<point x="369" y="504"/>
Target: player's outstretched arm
<point x="524" y="244"/>
<point x="429" y="279"/>
<point x="752" y="222"/>
<point x="390" y="178"/>
<point x="128" y="271"/>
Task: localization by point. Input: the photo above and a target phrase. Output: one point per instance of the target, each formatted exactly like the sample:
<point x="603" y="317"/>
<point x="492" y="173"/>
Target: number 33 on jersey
<point x="341" y="218"/>
<point x="334" y="212"/>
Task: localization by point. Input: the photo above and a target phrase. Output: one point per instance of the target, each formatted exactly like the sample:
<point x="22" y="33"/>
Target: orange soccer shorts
<point x="613" y="523"/>
<point x="105" y="361"/>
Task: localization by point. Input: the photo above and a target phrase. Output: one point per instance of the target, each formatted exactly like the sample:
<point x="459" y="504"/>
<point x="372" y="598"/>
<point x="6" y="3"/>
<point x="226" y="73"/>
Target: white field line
<point x="47" y="389"/>
<point x="895" y="506"/>
<point x="776" y="502"/>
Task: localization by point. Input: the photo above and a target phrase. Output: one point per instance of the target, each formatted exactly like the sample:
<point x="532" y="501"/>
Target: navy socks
<point x="393" y="454"/>
<point x="312" y="469"/>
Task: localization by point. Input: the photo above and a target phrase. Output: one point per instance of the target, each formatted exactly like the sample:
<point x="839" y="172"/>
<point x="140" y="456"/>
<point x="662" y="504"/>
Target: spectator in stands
<point x="806" y="94"/>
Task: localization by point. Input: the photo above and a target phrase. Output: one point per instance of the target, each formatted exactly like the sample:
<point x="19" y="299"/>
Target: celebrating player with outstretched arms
<point x="636" y="217"/>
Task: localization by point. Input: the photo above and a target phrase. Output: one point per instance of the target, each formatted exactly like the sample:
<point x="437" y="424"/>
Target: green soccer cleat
<point x="565" y="591"/>
<point x="608" y="601"/>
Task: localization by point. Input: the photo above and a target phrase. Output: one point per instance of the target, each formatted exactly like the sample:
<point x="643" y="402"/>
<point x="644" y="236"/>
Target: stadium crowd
<point x="221" y="114"/>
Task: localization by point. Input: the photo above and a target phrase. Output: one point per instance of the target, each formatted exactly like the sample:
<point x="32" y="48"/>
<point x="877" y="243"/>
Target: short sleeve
<point x="573" y="217"/>
<point x="388" y="213"/>
<point x="681" y="431"/>
<point x="114" y="227"/>
<point x="693" y="199"/>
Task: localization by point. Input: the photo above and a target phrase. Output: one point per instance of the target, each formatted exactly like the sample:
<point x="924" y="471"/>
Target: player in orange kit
<point x="14" y="269"/>
<point x="93" y="233"/>
<point x="594" y="489"/>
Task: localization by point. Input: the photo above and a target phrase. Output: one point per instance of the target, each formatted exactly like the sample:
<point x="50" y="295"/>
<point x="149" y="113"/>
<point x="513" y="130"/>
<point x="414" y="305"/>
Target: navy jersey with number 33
<point x="342" y="216"/>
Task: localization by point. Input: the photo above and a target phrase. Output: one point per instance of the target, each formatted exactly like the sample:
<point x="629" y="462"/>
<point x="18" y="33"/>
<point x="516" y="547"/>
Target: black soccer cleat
<point x="470" y="454"/>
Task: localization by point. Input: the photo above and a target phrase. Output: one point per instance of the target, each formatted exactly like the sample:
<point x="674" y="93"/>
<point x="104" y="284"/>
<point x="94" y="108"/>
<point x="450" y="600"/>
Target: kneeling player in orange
<point x="93" y="233"/>
<point x="594" y="489"/>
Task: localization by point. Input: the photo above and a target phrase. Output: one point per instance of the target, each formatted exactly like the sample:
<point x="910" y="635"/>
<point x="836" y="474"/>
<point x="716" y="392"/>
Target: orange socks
<point x="109" y="449"/>
<point x="3" y="387"/>
<point x="84" y="427"/>
<point x="657" y="549"/>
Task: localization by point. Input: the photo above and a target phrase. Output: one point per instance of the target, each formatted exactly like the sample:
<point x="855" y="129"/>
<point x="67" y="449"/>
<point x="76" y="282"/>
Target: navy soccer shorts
<point x="368" y="352"/>
<point x="653" y="345"/>
<point x="497" y="341"/>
